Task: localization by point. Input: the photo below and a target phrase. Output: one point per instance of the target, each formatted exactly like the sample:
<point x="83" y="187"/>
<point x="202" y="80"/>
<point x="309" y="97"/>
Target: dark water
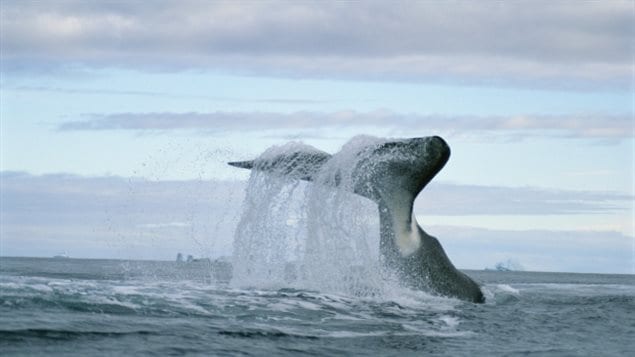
<point x="87" y="307"/>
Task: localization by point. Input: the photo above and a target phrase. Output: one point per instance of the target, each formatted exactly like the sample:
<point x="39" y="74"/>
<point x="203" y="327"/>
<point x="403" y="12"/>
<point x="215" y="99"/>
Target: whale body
<point x="390" y="173"/>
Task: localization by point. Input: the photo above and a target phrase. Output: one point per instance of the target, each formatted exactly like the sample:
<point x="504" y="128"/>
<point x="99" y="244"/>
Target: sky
<point x="117" y="119"/>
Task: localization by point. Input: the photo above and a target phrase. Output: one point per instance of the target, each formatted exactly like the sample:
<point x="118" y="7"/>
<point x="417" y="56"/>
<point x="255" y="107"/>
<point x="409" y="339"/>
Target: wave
<point x="44" y="315"/>
<point x="263" y="334"/>
<point x="23" y="335"/>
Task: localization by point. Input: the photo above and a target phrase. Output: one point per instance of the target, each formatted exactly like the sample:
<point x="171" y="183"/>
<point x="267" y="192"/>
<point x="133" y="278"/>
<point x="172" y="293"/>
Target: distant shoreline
<point x="485" y="270"/>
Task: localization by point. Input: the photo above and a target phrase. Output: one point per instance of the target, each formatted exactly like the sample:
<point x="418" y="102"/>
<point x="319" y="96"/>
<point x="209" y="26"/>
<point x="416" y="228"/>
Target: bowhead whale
<point x="391" y="173"/>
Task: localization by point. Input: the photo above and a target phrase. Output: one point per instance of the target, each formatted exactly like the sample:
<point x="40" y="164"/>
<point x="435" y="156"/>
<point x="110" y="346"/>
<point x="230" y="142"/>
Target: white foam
<point x="41" y="288"/>
<point x="13" y="286"/>
<point x="450" y="321"/>
<point x="434" y="333"/>
<point x="507" y="289"/>
<point x="106" y="300"/>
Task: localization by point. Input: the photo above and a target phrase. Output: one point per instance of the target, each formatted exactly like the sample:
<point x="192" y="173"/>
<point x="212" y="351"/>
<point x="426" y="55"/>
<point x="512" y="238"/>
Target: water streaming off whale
<point x="315" y="235"/>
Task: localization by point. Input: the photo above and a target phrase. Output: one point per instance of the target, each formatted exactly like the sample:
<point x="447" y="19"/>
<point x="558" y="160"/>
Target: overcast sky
<point x="117" y="119"/>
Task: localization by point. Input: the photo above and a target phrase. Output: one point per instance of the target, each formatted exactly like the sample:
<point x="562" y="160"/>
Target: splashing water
<point x="316" y="235"/>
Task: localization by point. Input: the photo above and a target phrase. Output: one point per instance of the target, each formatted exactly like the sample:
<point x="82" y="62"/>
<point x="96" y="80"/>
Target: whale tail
<point x="302" y="165"/>
<point x="242" y="164"/>
<point x="381" y="169"/>
<point x="390" y="173"/>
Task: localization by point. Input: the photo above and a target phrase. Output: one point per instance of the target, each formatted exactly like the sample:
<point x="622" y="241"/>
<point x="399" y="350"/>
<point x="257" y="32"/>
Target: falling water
<point x="312" y="235"/>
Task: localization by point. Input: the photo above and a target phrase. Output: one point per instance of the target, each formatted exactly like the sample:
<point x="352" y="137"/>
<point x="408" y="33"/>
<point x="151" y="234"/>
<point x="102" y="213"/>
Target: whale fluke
<point x="301" y="165"/>
<point x="242" y="164"/>
<point x="390" y="173"/>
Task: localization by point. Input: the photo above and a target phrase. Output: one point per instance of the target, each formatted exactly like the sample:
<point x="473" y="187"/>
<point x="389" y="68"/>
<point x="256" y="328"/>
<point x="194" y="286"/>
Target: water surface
<point x="87" y="307"/>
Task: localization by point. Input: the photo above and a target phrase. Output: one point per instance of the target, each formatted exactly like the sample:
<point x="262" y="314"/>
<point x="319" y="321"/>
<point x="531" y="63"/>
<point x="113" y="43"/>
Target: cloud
<point x="553" y="43"/>
<point x="164" y="225"/>
<point x="106" y="217"/>
<point x="117" y="217"/>
<point x="461" y="200"/>
<point x="70" y="196"/>
<point x="539" y="250"/>
<point x="65" y="195"/>
<point x="581" y="126"/>
<point x="92" y="91"/>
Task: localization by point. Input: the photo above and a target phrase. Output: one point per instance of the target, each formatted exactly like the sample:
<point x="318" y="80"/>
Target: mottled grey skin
<point x="392" y="174"/>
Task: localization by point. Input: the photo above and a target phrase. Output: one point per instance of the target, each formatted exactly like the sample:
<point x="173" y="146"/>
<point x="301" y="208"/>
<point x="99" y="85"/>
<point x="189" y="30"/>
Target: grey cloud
<point x="582" y="126"/>
<point x="555" y="43"/>
<point x="67" y="197"/>
<point x="107" y="217"/>
<point x="539" y="250"/>
<point x="453" y="199"/>
<point x="133" y="218"/>
<point x="63" y="198"/>
<point x="157" y="94"/>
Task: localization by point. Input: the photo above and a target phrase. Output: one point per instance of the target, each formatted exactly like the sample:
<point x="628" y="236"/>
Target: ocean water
<point x="113" y="307"/>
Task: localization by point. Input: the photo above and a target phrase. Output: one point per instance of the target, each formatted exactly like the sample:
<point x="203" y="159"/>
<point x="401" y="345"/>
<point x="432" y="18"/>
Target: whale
<point x="391" y="173"/>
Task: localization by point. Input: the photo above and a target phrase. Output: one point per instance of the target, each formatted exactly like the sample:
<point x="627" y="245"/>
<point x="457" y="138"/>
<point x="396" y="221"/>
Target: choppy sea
<point x="113" y="307"/>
